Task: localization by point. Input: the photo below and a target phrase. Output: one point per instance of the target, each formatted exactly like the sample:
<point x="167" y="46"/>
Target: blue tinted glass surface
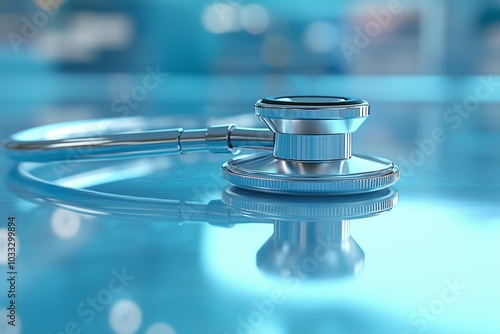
<point x="148" y="245"/>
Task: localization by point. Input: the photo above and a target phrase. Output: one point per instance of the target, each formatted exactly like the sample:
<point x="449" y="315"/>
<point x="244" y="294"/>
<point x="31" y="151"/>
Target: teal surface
<point x="153" y="263"/>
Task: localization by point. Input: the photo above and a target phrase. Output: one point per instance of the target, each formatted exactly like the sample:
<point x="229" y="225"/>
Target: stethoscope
<point x="310" y="138"/>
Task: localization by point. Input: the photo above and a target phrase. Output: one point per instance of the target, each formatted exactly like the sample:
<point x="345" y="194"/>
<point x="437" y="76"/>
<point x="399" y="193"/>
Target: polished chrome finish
<point x="217" y="138"/>
<point x="313" y="118"/>
<point x="189" y="141"/>
<point x="266" y="173"/>
<point x="251" y="138"/>
<point x="305" y="147"/>
<point x="312" y="128"/>
<point x="85" y="140"/>
<point x="311" y="107"/>
<point x="312" y="150"/>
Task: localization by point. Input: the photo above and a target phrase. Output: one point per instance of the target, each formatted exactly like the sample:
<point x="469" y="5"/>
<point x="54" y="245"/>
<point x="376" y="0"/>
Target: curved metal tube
<point x="58" y="142"/>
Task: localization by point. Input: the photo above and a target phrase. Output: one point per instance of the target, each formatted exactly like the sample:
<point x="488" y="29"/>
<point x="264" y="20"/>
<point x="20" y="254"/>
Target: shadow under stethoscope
<point x="311" y="237"/>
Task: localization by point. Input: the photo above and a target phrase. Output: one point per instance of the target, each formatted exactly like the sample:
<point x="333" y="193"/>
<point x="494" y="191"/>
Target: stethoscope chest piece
<point x="312" y="150"/>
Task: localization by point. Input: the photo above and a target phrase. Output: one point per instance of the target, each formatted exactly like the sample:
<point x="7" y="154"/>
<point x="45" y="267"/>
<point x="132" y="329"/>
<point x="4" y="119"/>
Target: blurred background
<point x="238" y="37"/>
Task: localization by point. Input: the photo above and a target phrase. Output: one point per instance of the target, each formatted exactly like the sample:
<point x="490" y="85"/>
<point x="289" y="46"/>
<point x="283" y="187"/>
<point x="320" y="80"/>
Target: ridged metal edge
<point x="298" y="209"/>
<point x="320" y="187"/>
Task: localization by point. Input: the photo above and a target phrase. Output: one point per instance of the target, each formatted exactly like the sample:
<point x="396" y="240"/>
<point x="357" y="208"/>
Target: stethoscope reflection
<point x="311" y="237"/>
<point x="310" y="249"/>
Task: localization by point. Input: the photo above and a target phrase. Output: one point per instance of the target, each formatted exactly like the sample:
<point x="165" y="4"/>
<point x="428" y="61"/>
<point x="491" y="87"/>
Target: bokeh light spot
<point x="219" y="18"/>
<point x="49" y="5"/>
<point x="160" y="328"/>
<point x="125" y="317"/>
<point x="65" y="224"/>
<point x="321" y="36"/>
<point x="254" y="19"/>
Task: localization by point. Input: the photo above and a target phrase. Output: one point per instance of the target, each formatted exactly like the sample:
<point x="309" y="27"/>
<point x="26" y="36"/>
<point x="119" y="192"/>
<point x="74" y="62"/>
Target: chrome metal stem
<point x="312" y="147"/>
<point x="215" y="139"/>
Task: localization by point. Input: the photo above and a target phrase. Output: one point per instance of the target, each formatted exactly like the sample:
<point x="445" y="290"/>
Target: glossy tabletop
<point x="162" y="245"/>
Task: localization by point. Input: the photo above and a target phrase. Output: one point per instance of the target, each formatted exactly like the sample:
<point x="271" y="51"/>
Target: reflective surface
<point x="106" y="266"/>
<point x="316" y="227"/>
